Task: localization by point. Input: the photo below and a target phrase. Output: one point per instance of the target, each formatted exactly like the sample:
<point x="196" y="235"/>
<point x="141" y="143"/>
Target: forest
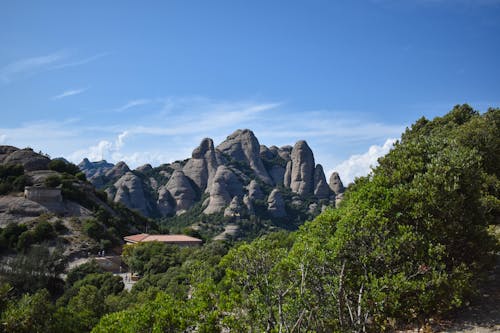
<point x="411" y="241"/>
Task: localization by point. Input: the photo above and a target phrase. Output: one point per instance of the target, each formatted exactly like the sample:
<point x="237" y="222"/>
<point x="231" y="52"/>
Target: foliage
<point x="79" y="272"/>
<point x="52" y="181"/>
<point x="62" y="166"/>
<point x="39" y="268"/>
<point x="12" y="178"/>
<point x="32" y="313"/>
<point x="150" y="257"/>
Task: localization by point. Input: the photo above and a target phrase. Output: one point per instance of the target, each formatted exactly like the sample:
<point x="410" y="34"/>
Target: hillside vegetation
<point x="409" y="242"/>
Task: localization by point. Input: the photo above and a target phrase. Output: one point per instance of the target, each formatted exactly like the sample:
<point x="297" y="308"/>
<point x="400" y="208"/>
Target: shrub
<point x="53" y="181"/>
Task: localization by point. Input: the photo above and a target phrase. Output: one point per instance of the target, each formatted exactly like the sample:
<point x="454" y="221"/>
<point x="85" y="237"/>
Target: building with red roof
<point x="181" y="240"/>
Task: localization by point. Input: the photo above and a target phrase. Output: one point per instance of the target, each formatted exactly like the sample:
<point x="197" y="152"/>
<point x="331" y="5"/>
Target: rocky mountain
<point x="238" y="177"/>
<point x="49" y="201"/>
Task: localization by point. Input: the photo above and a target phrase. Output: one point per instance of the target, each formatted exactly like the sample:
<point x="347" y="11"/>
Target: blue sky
<point x="146" y="81"/>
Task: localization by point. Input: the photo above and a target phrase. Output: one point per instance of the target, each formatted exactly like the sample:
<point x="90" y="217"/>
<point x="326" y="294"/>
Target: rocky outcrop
<point x="225" y="185"/>
<point x="6" y="151"/>
<point x="117" y="171"/>
<point x="266" y="154"/>
<point x="248" y="204"/>
<point x="181" y="190"/>
<point x="235" y="207"/>
<point x="254" y="191"/>
<point x="276" y="204"/>
<point x="302" y="171"/>
<point x="336" y="184"/>
<point x="287" y="178"/>
<point x="30" y="160"/>
<point x="130" y="192"/>
<point x="277" y="173"/>
<point x="321" y="188"/>
<point x="202" y="166"/>
<point x="165" y="203"/>
<point x="244" y="147"/>
<point x="283" y="152"/>
<point x="92" y="170"/>
<point x="144" y="168"/>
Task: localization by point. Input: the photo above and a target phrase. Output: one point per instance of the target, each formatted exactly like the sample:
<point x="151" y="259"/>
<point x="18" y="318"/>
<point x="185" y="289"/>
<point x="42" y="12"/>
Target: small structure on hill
<point x="181" y="240"/>
<point x="42" y="194"/>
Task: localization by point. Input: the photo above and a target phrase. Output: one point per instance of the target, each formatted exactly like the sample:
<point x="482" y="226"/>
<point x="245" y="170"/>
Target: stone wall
<point x="43" y="194"/>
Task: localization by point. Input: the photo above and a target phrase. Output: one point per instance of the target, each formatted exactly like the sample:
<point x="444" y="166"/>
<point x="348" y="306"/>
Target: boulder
<point x="336" y="184"/>
<point x="266" y="153"/>
<point x="244" y="147"/>
<point x="117" y="171"/>
<point x="6" y="151"/>
<point x="130" y="192"/>
<point x="225" y="185"/>
<point x="302" y="173"/>
<point x="235" y="207"/>
<point x="202" y="166"/>
<point x="144" y="168"/>
<point x="321" y="188"/>
<point x="276" y="204"/>
<point x="248" y="204"/>
<point x="254" y="191"/>
<point x="181" y="190"/>
<point x="165" y="203"/>
<point x="30" y="160"/>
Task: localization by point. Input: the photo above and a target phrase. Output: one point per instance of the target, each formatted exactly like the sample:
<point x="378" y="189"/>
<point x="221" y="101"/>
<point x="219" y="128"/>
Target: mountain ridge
<point x="221" y="176"/>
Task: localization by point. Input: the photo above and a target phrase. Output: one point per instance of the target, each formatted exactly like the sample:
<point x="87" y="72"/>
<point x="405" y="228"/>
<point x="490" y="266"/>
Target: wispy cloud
<point x="80" y="61"/>
<point x="177" y="126"/>
<point x="29" y="65"/>
<point x="132" y="104"/>
<point x="54" y="61"/>
<point x="68" y="93"/>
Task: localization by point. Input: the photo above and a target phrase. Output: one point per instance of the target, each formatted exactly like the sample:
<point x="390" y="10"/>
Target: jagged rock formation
<point x="321" y="189"/>
<point x="276" y="204"/>
<point x="117" y="171"/>
<point x="224" y="187"/>
<point x="166" y="203"/>
<point x="336" y="184"/>
<point x="94" y="169"/>
<point x="144" y="168"/>
<point x="129" y="190"/>
<point x="302" y="169"/>
<point x="181" y="190"/>
<point x="238" y="167"/>
<point x="244" y="147"/>
<point x="202" y="166"/>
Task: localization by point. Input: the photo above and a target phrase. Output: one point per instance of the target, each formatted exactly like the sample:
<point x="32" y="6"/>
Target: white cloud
<point x="360" y="165"/>
<point x="133" y="103"/>
<point x="28" y="65"/>
<point x="3" y="138"/>
<point x="38" y="64"/>
<point x="81" y="61"/>
<point x="68" y="93"/>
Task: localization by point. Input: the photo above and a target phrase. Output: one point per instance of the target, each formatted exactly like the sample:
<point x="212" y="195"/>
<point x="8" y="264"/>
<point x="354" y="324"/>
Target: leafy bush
<point x="63" y="167"/>
<point x="52" y="181"/>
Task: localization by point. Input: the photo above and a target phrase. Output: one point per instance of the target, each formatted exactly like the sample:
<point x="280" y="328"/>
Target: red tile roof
<point x="162" y="238"/>
<point x="135" y="238"/>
